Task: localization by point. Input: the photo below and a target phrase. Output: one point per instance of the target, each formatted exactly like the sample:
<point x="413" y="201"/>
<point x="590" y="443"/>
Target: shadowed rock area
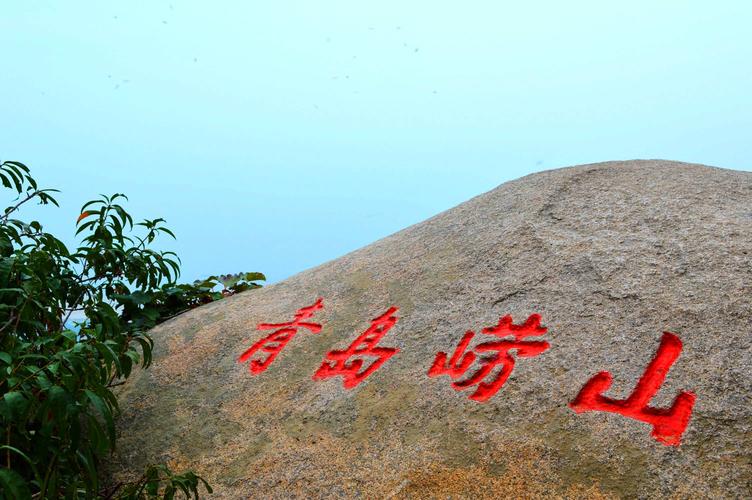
<point x="610" y="255"/>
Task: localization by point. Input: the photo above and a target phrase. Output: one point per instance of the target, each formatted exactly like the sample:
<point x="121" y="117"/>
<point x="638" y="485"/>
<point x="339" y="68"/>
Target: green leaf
<point x="137" y="298"/>
<point x="6" y="182"/>
<point x="13" y="485"/>
<point x="133" y="355"/>
<point x="88" y="204"/>
<point x="16" y="402"/>
<point x="16" y="181"/>
<point x="104" y="410"/>
<point x="6" y="357"/>
<point x="58" y="399"/>
<point x="24" y="456"/>
<point x="126" y="364"/>
<point x="18" y="164"/>
<point x="254" y="277"/>
<point x="91" y="472"/>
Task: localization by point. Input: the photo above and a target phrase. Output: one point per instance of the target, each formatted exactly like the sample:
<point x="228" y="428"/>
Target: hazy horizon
<point x="276" y="137"/>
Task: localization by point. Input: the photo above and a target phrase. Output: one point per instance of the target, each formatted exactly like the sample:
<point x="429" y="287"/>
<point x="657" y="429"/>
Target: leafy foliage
<point x="57" y="408"/>
<point x="149" y="309"/>
<point x="160" y="482"/>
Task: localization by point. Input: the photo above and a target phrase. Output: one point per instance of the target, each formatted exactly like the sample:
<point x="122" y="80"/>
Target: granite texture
<point x="610" y="254"/>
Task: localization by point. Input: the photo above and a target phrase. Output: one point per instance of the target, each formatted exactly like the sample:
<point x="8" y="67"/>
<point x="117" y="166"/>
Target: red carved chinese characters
<point x="668" y="423"/>
<point x="277" y="340"/>
<point x="336" y="362"/>
<point x="461" y="360"/>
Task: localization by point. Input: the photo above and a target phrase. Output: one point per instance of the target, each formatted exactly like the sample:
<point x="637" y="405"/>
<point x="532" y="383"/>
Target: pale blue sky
<point x="274" y="136"/>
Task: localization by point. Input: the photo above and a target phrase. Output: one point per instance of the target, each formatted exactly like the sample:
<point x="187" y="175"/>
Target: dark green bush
<point x="57" y="408"/>
<point x="149" y="309"/>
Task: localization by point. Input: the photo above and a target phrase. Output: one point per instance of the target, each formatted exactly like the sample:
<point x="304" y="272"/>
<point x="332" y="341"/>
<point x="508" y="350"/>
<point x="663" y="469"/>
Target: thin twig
<point x="4" y="217"/>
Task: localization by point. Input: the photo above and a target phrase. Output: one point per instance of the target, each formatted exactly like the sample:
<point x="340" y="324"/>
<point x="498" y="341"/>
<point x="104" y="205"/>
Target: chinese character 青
<point x="272" y="344"/>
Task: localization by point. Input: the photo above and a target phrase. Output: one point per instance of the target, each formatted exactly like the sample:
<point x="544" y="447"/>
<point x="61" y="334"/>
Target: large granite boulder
<point x="610" y="255"/>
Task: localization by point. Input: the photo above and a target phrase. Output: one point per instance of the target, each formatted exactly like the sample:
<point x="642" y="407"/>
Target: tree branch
<point x="8" y="211"/>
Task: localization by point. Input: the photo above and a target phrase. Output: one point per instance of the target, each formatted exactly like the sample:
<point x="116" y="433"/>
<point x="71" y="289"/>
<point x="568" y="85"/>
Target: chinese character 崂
<point x="336" y="362"/>
<point x="668" y="423"/>
<point x="462" y="359"/>
<point x="277" y="340"/>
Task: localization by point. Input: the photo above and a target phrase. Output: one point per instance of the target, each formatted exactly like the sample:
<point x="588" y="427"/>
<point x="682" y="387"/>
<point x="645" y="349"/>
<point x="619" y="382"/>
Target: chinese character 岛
<point x="336" y="362"/>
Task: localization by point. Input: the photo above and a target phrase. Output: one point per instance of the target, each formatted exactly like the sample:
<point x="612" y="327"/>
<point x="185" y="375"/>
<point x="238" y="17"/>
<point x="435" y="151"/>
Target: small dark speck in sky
<point x="539" y="162"/>
<point x="416" y="49"/>
<point x="435" y="92"/>
<point x="164" y="22"/>
<point x="114" y="17"/>
<point x="195" y="59"/>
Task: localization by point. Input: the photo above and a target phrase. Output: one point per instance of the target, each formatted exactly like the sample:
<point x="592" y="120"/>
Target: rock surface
<point x="610" y="255"/>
